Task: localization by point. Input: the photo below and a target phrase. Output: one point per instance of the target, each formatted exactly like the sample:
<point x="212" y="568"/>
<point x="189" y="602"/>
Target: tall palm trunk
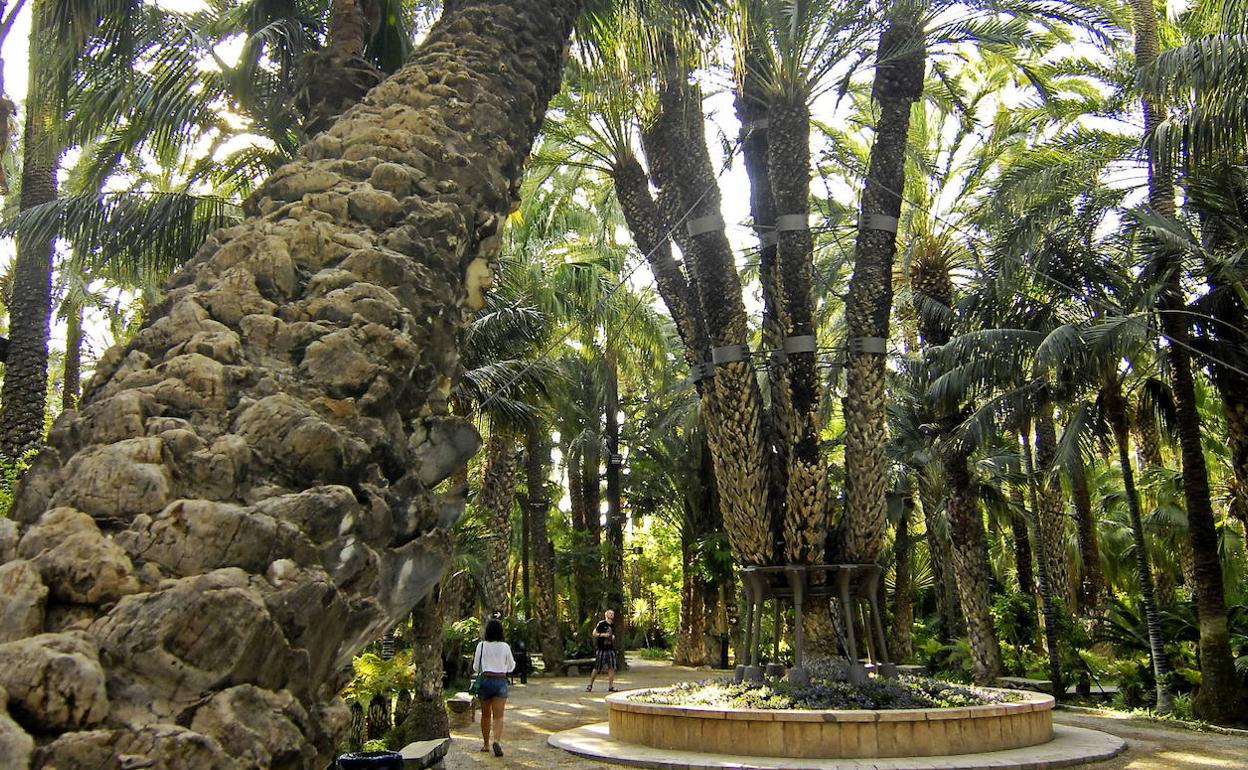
<point x="1022" y="542"/>
<point x="23" y="400"/>
<point x="680" y="161"/>
<point x="1235" y="402"/>
<point x="426" y="717"/>
<point x="582" y="576"/>
<point x="498" y="494"/>
<point x="970" y="563"/>
<point x="1116" y="412"/>
<point x="71" y="379"/>
<point x="900" y="65"/>
<point x="287" y="518"/>
<point x="901" y="641"/>
<point x="1044" y="581"/>
<point x="614" y="554"/>
<point x="545" y="606"/>
<point x="1091" y="583"/>
<point x="1051" y="540"/>
<point x="690" y="647"/>
<point x="1219" y="698"/>
<point x="940" y="548"/>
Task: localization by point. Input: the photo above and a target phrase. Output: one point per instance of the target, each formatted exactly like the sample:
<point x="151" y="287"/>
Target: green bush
<point x="821" y="694"/>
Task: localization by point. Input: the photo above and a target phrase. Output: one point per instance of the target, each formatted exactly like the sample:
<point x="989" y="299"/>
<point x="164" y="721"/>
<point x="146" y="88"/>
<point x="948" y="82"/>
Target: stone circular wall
<point x="884" y="733"/>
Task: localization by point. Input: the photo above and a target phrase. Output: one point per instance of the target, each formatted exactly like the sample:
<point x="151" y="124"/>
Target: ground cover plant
<point x="823" y="694"/>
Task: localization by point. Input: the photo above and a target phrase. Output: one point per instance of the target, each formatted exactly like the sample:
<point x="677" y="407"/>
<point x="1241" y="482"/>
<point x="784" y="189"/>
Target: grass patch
<point x="821" y="694"/>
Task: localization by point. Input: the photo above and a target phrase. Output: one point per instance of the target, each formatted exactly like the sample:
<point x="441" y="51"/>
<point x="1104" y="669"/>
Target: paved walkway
<point x="546" y="706"/>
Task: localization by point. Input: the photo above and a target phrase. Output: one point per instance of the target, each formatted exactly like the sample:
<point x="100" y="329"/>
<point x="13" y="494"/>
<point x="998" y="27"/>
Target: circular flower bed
<point x="904" y="693"/>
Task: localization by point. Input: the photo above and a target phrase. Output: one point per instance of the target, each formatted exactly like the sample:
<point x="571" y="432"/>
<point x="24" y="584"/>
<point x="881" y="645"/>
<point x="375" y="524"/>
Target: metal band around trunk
<point x="730" y="354"/>
<point x="703" y="371"/>
<point x="768" y="238"/>
<point x="705" y="225"/>
<point x="762" y="124"/>
<point x="877" y="345"/>
<point x="881" y="222"/>
<point x="791" y="223"/>
<point x="802" y="344"/>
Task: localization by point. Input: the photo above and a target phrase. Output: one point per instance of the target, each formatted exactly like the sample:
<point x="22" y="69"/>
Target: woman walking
<point x="493" y="661"/>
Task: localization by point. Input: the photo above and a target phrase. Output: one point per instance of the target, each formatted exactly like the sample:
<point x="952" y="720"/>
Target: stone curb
<point x="1181" y="724"/>
<point x="1070" y="746"/>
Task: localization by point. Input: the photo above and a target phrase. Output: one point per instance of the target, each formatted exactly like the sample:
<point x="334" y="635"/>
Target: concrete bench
<point x="425" y="754"/>
<point x="1023" y="683"/>
<point x="912" y="670"/>
<point x="461" y="709"/>
<point x="582" y="665"/>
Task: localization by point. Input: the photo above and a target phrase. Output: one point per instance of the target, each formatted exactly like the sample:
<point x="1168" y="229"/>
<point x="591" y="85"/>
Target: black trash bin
<point x="371" y="760"/>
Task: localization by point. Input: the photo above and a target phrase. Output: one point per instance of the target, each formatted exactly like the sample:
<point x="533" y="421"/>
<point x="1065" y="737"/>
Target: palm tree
<point x="1219" y="697"/>
<point x="537" y="500"/>
<point x="340" y="434"/>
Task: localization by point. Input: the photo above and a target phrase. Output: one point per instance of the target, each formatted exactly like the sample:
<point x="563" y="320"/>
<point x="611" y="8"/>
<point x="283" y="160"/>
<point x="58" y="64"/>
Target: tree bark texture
<point x="1051" y="543"/>
<point x="1044" y="581"/>
<point x="246" y="498"/>
<point x="1219" y="698"/>
<point x="538" y="499"/>
<point x="1022" y="542"/>
<point x="970" y="564"/>
<point x="71" y="378"/>
<point x="426" y="717"/>
<point x="497" y="498"/>
<point x="901" y="62"/>
<point x="1091" y="583"/>
<point x="901" y="641"/>
<point x="614" y="554"/>
<point x="1115" y="410"/>
<point x="23" y="399"/>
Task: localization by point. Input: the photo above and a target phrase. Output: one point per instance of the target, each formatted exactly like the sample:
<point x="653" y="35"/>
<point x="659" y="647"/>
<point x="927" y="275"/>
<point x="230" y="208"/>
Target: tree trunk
<point x="690" y="649"/>
<point x="1091" y="583"/>
<point x="901" y="642"/>
<point x="1044" y="582"/>
<point x="249" y="495"/>
<point x="940" y="549"/>
<point x="1022" y="543"/>
<point x="426" y="717"/>
<point x="23" y="399"/>
<point x="545" y="607"/>
<point x="1051" y="544"/>
<point x="970" y="564"/>
<point x="580" y="536"/>
<point x="615" y="505"/>
<point x="1219" y="699"/>
<point x="70" y="380"/>
<point x="900" y="65"/>
<point x="675" y="145"/>
<point x="1115" y="410"/>
<point x="498" y="494"/>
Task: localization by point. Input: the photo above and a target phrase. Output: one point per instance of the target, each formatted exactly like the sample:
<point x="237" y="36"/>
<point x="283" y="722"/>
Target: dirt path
<point x="546" y="706"/>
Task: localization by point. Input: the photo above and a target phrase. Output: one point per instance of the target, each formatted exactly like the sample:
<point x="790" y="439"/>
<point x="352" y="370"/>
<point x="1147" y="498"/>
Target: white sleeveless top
<point x="493" y="657"/>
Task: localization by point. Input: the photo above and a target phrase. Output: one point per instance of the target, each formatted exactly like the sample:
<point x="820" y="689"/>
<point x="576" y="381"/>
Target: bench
<point x="912" y="670"/>
<point x="462" y="709"/>
<point x="423" y="755"/>
<point x="1023" y="683"/>
<point x="582" y="665"/>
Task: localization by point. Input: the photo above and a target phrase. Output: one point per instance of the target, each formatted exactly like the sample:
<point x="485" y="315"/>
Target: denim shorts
<point x="493" y="687"/>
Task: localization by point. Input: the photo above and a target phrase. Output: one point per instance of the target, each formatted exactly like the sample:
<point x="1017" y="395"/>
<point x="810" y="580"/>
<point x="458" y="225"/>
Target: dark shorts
<point x="493" y="687"/>
<point x="604" y="662"/>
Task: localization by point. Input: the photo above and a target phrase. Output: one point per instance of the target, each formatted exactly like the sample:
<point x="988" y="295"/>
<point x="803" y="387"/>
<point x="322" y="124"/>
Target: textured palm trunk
<point x="245" y="497"/>
<point x="1115" y="409"/>
<point x="426" y="717"/>
<point x="1022" y="542"/>
<point x="497" y="497"/>
<point x="806" y="506"/>
<point x="898" y="85"/>
<point x="901" y="642"/>
<point x="753" y="112"/>
<point x="545" y="605"/>
<point x="23" y="399"/>
<point x="71" y="378"/>
<point x="1051" y="540"/>
<point x="614" y="552"/>
<point x="940" y="548"/>
<point x="1235" y="403"/>
<point x="675" y="145"/>
<point x="690" y="649"/>
<point x="1091" y="582"/>
<point x="1044" y="581"/>
<point x="1219" y="698"/>
<point x="581" y="578"/>
<point x="970" y="563"/>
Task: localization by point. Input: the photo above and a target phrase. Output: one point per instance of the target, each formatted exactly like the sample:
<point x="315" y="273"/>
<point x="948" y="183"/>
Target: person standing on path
<point x="604" y="642"/>
<point x="493" y="661"/>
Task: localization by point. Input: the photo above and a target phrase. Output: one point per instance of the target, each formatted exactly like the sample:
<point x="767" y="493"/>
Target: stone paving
<point x="547" y="706"/>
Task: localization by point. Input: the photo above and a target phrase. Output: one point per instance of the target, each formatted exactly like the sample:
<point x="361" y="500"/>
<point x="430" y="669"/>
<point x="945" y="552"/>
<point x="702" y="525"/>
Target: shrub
<point x="822" y="694"/>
